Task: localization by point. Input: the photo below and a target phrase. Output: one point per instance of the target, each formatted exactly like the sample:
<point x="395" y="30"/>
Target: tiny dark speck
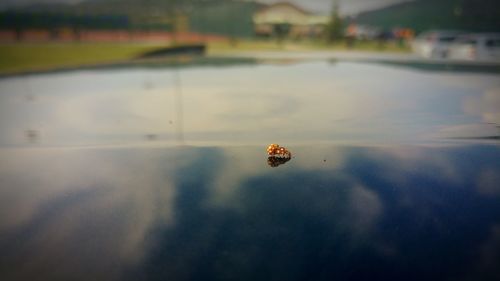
<point x="151" y="137"/>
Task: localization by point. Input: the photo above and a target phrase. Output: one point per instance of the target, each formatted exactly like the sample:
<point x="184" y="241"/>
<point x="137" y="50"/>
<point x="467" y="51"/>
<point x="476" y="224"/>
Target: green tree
<point x="334" y="29"/>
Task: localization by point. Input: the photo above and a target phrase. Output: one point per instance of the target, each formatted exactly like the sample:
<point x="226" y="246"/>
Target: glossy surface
<point x="162" y="174"/>
<point x="410" y="213"/>
<point x="247" y="102"/>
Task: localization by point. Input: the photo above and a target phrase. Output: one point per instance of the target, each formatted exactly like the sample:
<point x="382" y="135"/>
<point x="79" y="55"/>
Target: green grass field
<point x="28" y="57"/>
<point x="21" y="57"/>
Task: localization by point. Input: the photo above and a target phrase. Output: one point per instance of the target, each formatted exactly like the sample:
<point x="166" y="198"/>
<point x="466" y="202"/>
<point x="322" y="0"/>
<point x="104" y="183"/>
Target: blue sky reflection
<point x="151" y="213"/>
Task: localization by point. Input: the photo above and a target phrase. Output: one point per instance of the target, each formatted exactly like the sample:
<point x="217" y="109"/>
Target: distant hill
<point x="122" y="7"/>
<point x="420" y="15"/>
<point x="225" y="17"/>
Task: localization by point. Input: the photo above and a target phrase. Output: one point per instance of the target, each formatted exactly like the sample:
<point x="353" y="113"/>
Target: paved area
<point x="349" y="56"/>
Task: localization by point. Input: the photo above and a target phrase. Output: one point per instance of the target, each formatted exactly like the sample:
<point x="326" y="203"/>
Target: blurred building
<point x="286" y="19"/>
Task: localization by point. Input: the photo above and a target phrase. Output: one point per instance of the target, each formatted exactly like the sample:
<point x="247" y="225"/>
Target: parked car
<point x="477" y="47"/>
<point x="434" y="44"/>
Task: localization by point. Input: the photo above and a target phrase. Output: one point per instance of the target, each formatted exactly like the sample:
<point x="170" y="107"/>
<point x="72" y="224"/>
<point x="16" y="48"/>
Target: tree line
<point x="33" y="20"/>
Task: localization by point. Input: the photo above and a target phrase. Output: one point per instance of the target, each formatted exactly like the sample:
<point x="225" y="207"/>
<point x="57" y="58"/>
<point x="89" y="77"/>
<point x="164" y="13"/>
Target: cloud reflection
<point x="78" y="213"/>
<point x="187" y="213"/>
<point x="486" y="106"/>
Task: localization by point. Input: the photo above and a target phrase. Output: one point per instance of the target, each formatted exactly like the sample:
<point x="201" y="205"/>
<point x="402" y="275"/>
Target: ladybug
<point x="275" y="150"/>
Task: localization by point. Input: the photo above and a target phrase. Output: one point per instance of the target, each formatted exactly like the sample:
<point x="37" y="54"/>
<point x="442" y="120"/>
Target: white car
<point x="434" y="44"/>
<point x="476" y="47"/>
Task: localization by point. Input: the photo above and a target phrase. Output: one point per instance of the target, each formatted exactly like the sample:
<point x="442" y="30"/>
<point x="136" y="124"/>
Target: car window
<point x="447" y="38"/>
<point x="493" y="43"/>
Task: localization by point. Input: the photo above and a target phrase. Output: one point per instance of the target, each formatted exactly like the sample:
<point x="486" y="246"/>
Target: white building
<point x="290" y="19"/>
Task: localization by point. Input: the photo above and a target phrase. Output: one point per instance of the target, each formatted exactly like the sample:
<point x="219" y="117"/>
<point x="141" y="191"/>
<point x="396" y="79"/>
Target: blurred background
<point x="133" y="27"/>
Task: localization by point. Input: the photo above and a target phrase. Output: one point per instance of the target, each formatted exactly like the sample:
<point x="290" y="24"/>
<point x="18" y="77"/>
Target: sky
<point x="347" y="7"/>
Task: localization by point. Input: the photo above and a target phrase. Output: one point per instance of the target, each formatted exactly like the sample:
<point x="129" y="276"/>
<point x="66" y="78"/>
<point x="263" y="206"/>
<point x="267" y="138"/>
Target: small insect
<point x="275" y="150"/>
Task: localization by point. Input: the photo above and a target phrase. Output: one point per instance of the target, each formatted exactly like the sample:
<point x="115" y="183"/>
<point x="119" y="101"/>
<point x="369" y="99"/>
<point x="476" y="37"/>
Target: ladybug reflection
<point x="276" y="161"/>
